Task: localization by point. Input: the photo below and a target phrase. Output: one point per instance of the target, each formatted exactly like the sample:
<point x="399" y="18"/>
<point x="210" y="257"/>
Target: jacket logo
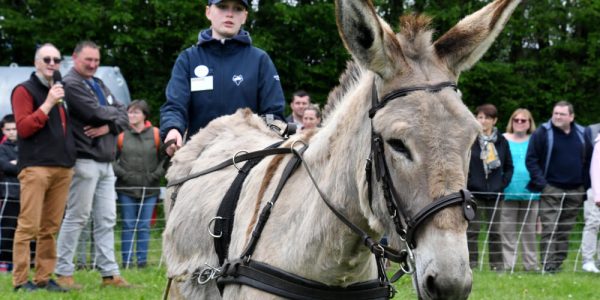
<point x="237" y="79"/>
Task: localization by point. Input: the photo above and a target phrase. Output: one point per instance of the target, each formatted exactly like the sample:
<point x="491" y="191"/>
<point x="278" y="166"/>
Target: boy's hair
<point x="10" y="118"/>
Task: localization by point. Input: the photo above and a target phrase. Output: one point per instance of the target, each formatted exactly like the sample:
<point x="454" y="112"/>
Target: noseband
<point x="406" y="225"/>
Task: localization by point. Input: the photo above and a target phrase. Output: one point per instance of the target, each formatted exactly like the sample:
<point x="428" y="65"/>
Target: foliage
<point x="549" y="50"/>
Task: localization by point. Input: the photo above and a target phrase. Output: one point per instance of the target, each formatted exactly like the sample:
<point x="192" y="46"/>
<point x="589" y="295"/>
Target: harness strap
<point x="230" y="162"/>
<point x="405" y="91"/>
<point x="462" y="197"/>
<point x="278" y="282"/>
<point x="226" y="213"/>
<point x="266" y="211"/>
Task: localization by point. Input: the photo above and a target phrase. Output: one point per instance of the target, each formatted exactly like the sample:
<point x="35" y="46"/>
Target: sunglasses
<point x="520" y="121"/>
<point x="48" y="59"/>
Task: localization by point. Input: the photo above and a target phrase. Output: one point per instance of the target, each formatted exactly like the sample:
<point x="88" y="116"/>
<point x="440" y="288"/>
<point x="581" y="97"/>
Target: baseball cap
<point x="211" y="2"/>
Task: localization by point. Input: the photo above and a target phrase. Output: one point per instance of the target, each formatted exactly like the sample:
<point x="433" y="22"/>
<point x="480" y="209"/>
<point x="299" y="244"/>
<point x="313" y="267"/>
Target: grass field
<point x="150" y="284"/>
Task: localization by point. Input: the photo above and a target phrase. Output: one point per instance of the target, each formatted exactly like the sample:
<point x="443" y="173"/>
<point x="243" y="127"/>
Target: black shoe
<point x="27" y="287"/>
<point x="52" y="286"/>
<point x="141" y="265"/>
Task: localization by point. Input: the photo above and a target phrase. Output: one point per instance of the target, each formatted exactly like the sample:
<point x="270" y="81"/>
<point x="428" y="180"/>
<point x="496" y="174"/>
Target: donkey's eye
<point x="399" y="147"/>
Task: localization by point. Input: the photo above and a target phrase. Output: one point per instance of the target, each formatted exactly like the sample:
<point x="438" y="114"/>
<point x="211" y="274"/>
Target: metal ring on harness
<point x="207" y="274"/>
<point x="235" y="155"/>
<point x="298" y="141"/>
<point x="210" y="223"/>
<point x="408" y="267"/>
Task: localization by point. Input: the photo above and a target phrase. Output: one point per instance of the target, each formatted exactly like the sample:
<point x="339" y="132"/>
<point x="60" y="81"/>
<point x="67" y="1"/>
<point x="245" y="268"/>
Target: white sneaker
<point x="590" y="267"/>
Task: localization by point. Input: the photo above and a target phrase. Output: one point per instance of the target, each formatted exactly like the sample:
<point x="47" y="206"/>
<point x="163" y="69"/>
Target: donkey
<point x="426" y="137"/>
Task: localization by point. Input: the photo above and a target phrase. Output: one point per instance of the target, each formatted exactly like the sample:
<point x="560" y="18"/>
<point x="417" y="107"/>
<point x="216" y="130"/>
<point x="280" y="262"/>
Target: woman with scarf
<point x="490" y="172"/>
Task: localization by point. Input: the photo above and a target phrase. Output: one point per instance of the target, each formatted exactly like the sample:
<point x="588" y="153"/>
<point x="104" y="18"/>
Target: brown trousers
<point x="44" y="193"/>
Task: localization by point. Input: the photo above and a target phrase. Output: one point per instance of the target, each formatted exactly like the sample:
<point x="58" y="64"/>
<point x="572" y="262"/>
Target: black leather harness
<point x="245" y="271"/>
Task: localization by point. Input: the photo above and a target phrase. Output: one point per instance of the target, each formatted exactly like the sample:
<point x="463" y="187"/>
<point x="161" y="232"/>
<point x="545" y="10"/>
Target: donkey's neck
<point x="337" y="156"/>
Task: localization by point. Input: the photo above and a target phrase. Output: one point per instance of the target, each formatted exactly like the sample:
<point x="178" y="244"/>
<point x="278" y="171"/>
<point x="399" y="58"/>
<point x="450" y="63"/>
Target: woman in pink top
<point x="591" y="214"/>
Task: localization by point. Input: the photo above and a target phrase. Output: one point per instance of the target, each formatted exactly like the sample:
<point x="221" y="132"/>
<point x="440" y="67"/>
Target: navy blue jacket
<point x="539" y="155"/>
<point x="242" y="76"/>
<point x="9" y="151"/>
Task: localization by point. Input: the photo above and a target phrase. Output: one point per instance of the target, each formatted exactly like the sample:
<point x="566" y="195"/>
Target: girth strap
<point x="226" y="213"/>
<point x="278" y="282"/>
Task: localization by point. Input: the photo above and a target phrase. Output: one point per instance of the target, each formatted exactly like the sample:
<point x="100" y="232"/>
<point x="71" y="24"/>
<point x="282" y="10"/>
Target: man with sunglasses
<point x="556" y="163"/>
<point x="219" y="75"/>
<point x="45" y="159"/>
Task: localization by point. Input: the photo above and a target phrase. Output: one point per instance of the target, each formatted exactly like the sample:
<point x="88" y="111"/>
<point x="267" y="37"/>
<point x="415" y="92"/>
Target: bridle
<point x="406" y="225"/>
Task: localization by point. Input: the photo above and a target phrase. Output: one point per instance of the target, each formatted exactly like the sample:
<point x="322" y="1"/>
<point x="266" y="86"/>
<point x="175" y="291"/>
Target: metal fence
<point x="85" y="255"/>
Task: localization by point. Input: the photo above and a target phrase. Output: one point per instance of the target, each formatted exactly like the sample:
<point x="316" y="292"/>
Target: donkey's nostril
<point x="431" y="286"/>
<point x="443" y="287"/>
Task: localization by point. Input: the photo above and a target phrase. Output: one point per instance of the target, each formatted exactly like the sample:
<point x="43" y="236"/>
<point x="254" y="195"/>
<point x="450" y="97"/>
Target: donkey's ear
<point x="464" y="44"/>
<point x="368" y="38"/>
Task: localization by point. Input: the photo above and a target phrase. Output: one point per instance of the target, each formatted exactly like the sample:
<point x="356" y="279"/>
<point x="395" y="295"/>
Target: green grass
<point x="491" y="285"/>
<point x="150" y="284"/>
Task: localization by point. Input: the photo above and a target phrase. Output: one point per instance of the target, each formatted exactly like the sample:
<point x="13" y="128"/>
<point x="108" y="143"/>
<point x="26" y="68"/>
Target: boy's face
<point x="10" y="131"/>
<point x="226" y="18"/>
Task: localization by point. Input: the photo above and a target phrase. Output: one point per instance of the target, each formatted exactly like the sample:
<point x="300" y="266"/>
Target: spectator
<point x="220" y="74"/>
<point x="555" y="161"/>
<point x="97" y="120"/>
<point x="300" y="101"/>
<point x="45" y="160"/>
<point x="9" y="191"/>
<point x="311" y="117"/>
<point x="490" y="172"/>
<point x="139" y="167"/>
<point x="519" y="210"/>
<point x="591" y="209"/>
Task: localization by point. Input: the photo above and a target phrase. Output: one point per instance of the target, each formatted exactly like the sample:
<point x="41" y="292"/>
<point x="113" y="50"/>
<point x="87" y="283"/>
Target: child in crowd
<point x="9" y="192"/>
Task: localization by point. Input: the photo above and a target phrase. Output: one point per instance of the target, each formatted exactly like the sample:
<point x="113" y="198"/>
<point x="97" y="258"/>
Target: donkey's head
<point x="426" y="134"/>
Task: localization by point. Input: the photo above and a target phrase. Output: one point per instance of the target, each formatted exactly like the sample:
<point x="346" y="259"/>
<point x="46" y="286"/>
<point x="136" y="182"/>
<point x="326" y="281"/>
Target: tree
<point x="548" y="51"/>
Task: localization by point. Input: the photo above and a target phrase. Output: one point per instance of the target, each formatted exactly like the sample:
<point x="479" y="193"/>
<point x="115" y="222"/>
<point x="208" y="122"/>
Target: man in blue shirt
<point x="219" y="75"/>
<point x="555" y="161"/>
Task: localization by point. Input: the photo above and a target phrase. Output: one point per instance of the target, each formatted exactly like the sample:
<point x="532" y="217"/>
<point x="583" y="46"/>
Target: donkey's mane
<point x="415" y="38"/>
<point x="348" y="80"/>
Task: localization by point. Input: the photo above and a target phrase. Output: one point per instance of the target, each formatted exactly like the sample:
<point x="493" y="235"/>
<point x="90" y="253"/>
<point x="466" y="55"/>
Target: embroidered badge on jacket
<point x="237" y="79"/>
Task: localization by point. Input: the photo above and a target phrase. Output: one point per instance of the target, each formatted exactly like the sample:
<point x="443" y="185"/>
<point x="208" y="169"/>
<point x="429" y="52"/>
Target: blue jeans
<point x="136" y="219"/>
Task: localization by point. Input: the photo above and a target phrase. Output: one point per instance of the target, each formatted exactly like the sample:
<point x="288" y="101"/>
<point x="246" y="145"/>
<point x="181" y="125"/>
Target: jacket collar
<point x="205" y="36"/>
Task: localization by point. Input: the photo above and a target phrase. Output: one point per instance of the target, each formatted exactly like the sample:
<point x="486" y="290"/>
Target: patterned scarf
<point x="489" y="155"/>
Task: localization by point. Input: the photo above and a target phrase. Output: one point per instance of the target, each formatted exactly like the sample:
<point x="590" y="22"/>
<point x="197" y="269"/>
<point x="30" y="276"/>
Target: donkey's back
<point x="187" y="243"/>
